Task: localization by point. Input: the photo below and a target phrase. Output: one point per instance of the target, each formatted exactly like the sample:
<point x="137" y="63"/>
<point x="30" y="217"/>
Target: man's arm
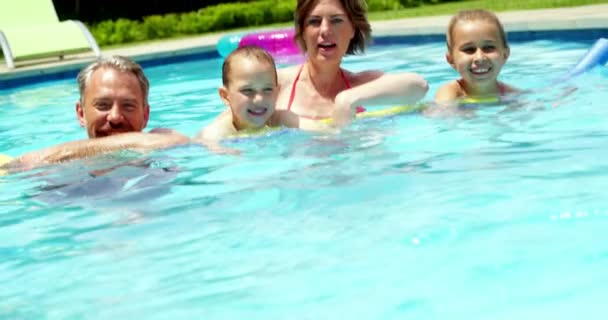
<point x="135" y="141"/>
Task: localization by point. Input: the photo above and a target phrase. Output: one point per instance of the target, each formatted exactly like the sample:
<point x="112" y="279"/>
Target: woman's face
<point x="327" y="31"/>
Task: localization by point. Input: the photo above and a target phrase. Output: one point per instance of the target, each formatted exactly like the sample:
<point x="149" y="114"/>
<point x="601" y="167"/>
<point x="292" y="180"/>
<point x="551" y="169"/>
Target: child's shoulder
<point x="220" y="128"/>
<point x="449" y="91"/>
<point x="506" y="89"/>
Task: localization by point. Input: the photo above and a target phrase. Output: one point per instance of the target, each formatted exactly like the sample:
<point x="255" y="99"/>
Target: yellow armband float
<point x="474" y="103"/>
<point x="480" y="100"/>
<point x="4" y="159"/>
<point x="253" y="132"/>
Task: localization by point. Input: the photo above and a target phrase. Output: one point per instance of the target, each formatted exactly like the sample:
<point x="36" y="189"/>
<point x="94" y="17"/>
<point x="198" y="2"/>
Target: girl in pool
<point x="249" y="90"/>
<point x="326" y="30"/>
<point x="477" y="49"/>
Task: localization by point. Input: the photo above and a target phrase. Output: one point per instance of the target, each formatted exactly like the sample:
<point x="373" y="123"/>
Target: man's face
<point x="112" y="103"/>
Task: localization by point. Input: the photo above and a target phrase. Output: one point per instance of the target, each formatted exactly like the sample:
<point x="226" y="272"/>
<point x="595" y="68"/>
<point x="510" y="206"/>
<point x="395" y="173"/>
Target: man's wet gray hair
<point x="120" y="63"/>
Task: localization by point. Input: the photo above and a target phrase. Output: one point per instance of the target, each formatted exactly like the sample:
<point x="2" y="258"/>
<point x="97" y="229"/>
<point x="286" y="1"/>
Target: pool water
<point x="500" y="215"/>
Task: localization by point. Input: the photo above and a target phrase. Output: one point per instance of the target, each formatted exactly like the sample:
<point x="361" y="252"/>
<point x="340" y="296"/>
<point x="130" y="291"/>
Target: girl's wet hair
<point x="247" y="51"/>
<point x="475" y="15"/>
<point x="356" y="10"/>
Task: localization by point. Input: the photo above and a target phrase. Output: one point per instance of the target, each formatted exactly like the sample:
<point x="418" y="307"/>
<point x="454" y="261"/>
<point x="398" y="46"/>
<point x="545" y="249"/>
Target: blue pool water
<point x="496" y="216"/>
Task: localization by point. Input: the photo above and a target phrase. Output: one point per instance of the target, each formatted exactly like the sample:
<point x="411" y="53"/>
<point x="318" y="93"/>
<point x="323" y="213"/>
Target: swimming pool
<point x="497" y="216"/>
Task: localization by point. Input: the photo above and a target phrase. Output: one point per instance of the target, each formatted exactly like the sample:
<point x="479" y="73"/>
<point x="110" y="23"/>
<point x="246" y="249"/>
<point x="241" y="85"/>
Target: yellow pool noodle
<point x="387" y="112"/>
<point x="381" y="113"/>
<point x="363" y="115"/>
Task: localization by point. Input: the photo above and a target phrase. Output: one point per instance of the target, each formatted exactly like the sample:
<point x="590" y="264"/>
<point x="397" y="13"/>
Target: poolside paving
<point x="572" y="18"/>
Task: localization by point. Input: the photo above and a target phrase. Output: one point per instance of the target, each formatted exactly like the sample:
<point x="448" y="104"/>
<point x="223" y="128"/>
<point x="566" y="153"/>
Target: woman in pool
<point x="326" y="30"/>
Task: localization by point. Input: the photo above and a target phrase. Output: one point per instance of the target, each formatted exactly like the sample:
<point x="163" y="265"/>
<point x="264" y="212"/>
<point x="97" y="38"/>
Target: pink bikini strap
<point x="345" y="78"/>
<point x="292" y="95"/>
<point x="359" y="109"/>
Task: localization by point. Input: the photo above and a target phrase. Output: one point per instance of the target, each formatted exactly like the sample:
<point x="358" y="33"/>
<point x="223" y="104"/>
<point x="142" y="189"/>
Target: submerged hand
<point x="343" y="113"/>
<point x="342" y="117"/>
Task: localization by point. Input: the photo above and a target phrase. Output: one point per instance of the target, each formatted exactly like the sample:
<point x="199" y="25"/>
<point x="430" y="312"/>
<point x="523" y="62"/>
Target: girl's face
<point x="327" y="31"/>
<point x="251" y="93"/>
<point x="478" y="54"/>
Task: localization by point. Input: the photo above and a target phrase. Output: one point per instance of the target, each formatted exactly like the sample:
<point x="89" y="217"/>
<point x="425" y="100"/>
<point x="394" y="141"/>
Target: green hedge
<point x="214" y="18"/>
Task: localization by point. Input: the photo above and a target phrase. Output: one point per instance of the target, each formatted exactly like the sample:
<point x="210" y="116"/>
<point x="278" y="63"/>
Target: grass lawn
<point x="432" y="10"/>
<point x="494" y="5"/>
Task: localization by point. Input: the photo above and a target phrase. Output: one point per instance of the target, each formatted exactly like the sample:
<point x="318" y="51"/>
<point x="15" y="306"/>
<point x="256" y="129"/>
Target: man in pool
<point x="113" y="108"/>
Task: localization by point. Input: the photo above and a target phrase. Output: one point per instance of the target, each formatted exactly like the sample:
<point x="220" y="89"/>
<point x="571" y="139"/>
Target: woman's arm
<point x="377" y="88"/>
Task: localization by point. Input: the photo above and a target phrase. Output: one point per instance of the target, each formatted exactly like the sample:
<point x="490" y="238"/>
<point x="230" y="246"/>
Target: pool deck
<point x="572" y="18"/>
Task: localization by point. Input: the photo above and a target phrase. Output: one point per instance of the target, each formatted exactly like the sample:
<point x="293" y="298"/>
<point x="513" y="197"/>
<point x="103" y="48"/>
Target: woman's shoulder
<point x="286" y="75"/>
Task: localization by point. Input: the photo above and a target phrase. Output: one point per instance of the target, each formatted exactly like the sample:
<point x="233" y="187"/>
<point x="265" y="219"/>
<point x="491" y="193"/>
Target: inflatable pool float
<point x="382" y="113"/>
<point x="279" y="43"/>
<point x="228" y="43"/>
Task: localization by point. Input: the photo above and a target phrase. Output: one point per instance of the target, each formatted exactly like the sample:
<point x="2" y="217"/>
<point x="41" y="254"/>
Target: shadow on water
<point x="108" y="183"/>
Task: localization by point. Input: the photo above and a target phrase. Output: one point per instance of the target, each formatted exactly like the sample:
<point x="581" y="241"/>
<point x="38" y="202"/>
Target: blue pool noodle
<point x="597" y="55"/>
